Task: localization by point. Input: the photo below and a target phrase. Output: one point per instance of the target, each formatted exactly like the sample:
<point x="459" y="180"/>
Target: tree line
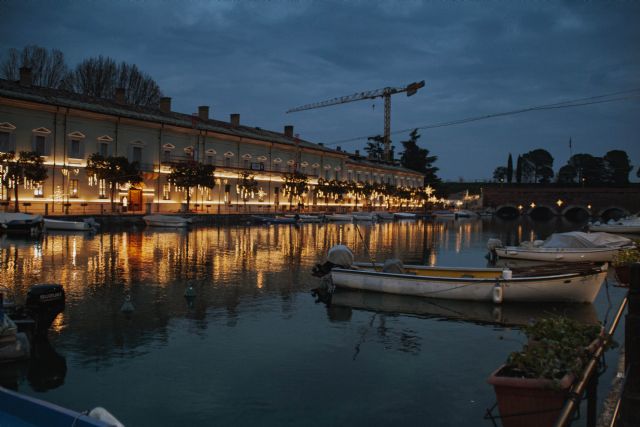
<point x="536" y="166"/>
<point x="97" y="76"/>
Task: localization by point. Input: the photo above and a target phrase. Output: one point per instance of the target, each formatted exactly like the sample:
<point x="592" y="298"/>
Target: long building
<point x="65" y="128"/>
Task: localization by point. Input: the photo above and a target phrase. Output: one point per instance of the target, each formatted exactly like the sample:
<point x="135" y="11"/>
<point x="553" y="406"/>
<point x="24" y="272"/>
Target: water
<point x="255" y="347"/>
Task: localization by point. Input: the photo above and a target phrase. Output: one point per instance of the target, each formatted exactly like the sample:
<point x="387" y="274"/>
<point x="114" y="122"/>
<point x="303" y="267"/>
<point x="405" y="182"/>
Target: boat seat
<point x="393" y="265"/>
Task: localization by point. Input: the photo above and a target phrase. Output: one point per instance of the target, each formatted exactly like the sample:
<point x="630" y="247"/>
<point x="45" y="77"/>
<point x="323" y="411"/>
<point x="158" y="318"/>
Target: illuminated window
<point x="38" y="190"/>
<point x="166" y="192"/>
<point x="73" y="188"/>
<point x="102" y="189"/>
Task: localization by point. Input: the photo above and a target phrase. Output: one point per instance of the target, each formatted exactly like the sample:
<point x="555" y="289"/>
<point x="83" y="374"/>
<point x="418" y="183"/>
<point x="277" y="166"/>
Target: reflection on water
<point x="253" y="346"/>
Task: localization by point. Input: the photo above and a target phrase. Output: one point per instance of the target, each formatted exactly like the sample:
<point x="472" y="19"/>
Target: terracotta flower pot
<point x="529" y="402"/>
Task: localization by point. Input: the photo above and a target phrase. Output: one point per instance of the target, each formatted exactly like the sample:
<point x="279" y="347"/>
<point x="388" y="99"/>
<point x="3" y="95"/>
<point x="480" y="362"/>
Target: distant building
<point x="66" y="128"/>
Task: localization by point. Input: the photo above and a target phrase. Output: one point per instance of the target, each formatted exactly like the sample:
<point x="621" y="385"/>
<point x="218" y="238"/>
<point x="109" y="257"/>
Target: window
<point x="40" y="144"/>
<point x="211" y="159"/>
<point x="166" y="192"/>
<point x="73" y="188"/>
<point x="137" y="154"/>
<point x="74" y="149"/>
<point x="102" y="189"/>
<point x="327" y="174"/>
<point x="166" y="155"/>
<point x="38" y="191"/>
<point x="227" y="162"/>
<point x="245" y="164"/>
<point x="103" y="149"/>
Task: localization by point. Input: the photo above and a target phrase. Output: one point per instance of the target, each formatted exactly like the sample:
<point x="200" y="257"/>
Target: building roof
<point x="63" y="98"/>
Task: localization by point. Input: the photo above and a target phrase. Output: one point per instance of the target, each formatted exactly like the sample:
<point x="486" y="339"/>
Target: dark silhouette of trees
<point x="97" y="77"/>
<point x="617" y="166"/>
<point x="48" y="67"/>
<point x="509" y="169"/>
<point x="538" y="166"/>
<point x="590" y="170"/>
<point x="375" y="148"/>
<point x="116" y="171"/>
<point x="500" y="174"/>
<point x="101" y="76"/>
<point x="192" y="174"/>
<point x="418" y="159"/>
<point x="519" y="169"/>
<point x="567" y="174"/>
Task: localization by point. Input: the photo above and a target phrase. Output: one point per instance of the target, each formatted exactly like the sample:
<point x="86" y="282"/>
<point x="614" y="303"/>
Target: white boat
<point x="625" y="225"/>
<point x="56" y="224"/>
<point x="443" y="214"/>
<point x="339" y="217"/>
<point x="166" y="221"/>
<point x="20" y="223"/>
<point x="475" y="284"/>
<point x="580" y="283"/>
<point x="363" y="216"/>
<point x="404" y="215"/>
<point x="573" y="246"/>
<point x="302" y="218"/>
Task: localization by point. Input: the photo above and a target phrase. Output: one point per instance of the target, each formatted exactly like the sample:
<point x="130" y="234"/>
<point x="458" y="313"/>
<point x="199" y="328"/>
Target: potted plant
<point x="532" y="385"/>
<point x="622" y="261"/>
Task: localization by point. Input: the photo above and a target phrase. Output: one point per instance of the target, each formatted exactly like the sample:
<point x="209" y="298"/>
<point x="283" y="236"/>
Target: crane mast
<point x="384" y="93"/>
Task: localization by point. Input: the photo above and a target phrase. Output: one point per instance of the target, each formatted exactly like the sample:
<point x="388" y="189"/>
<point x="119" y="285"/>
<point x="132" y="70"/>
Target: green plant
<point x="557" y="346"/>
<point x="626" y="257"/>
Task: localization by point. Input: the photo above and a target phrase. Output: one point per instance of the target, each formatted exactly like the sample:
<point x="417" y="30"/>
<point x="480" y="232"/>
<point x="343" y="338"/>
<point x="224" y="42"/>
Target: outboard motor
<point x="492" y="244"/>
<point x="44" y="303"/>
<point x="338" y="256"/>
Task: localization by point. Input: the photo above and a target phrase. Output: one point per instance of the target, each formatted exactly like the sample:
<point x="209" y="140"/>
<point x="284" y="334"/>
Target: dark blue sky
<point x="261" y="58"/>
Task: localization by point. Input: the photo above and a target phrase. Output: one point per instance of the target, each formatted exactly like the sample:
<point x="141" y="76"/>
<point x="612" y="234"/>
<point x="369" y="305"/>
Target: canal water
<point x="255" y="347"/>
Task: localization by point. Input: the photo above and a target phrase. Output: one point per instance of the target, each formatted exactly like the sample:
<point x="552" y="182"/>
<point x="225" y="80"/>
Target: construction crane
<point x="385" y="93"/>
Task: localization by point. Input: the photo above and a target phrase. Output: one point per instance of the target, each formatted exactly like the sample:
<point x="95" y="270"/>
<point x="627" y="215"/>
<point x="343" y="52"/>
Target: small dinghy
<point x="172" y="221"/>
<point x="20" y="223"/>
<point x="57" y="224"/>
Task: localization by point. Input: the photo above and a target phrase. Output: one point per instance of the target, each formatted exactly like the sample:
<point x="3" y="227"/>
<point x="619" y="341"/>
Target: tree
<point x="538" y="166"/>
<point x="192" y="174"/>
<point x="618" y="166"/>
<point x="28" y="169"/>
<point x="295" y="185"/>
<point x="519" y="170"/>
<point x="101" y="76"/>
<point x="114" y="170"/>
<point x="247" y="187"/>
<point x="500" y="173"/>
<point x="418" y="159"/>
<point x="375" y="148"/>
<point x="567" y="175"/>
<point x="509" y="169"/>
<point x="48" y="67"/>
<point x="590" y="169"/>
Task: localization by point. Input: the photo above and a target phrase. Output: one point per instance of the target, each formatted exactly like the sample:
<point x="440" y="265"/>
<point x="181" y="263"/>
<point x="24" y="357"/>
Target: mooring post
<point x="630" y="408"/>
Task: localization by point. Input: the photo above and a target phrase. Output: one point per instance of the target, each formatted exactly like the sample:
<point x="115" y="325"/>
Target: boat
<point x="273" y="219"/>
<point x="302" y="218"/>
<point x="580" y="283"/>
<point x="166" y="221"/>
<point x="19" y="409"/>
<point x="57" y="224"/>
<point x="363" y="216"/>
<point x="384" y="215"/>
<point x="404" y="215"/>
<point x="623" y="226"/>
<point x="339" y="217"/>
<point x="573" y="246"/>
<point x="463" y="213"/>
<point x="20" y="223"/>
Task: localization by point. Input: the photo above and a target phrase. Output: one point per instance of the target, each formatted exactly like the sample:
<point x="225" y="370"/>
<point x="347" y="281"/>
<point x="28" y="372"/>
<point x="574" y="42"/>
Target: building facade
<point x="66" y="128"/>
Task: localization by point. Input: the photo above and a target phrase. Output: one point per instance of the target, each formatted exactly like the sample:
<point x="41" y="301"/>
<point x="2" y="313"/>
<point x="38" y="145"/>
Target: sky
<point x="260" y="58"/>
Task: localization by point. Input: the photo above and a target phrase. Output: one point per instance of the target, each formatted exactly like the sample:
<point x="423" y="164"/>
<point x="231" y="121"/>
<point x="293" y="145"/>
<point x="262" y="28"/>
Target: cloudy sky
<point x="260" y="58"/>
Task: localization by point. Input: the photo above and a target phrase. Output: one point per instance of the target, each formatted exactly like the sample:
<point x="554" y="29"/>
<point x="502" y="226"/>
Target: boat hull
<point x="558" y="254"/>
<point x="166" y="221"/>
<point x="54" y="224"/>
<point x="570" y="287"/>
<point x="622" y="229"/>
<point x="339" y="217"/>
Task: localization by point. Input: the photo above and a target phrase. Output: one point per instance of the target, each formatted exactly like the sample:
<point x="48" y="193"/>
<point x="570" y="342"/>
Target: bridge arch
<point x="612" y="212"/>
<point x="542" y="212"/>
<point x="576" y="213"/>
<point x="507" y="211"/>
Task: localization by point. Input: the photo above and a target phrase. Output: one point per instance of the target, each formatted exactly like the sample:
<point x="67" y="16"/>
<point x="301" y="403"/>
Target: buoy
<point x="507" y="274"/>
<point x="497" y="293"/>
<point x="127" y="305"/>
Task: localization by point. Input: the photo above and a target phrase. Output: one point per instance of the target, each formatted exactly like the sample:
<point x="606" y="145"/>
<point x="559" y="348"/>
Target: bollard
<point x="630" y="405"/>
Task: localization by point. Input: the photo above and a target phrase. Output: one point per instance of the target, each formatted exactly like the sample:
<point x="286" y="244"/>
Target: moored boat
<point x="384" y="215"/>
<point x="576" y="284"/>
<point x="174" y="221"/>
<point x="56" y="224"/>
<point x="404" y="215"/>
<point x="572" y="246"/>
<point x="274" y="219"/>
<point x="363" y="216"/>
<point x="623" y="226"/>
<point x="20" y="223"/>
<point x="339" y="217"/>
<point x="304" y="218"/>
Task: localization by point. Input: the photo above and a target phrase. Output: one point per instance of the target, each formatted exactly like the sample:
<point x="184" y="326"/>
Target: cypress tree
<point x="519" y="170"/>
<point x="509" y="169"/>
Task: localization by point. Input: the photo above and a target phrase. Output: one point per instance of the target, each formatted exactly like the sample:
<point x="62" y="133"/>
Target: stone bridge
<point x="575" y="203"/>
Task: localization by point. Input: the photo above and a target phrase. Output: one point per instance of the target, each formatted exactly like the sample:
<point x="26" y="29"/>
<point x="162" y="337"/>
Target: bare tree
<point x="100" y="76"/>
<point x="48" y="67"/>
